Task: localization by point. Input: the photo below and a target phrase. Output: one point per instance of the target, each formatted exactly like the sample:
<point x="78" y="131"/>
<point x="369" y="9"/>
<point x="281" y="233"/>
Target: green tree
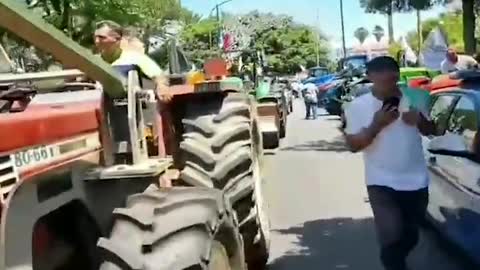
<point x="390" y="6"/>
<point x="199" y="40"/>
<point x="77" y="19"/>
<point x="285" y="43"/>
<point x="378" y="32"/>
<point x="361" y="34"/>
<point x="288" y="48"/>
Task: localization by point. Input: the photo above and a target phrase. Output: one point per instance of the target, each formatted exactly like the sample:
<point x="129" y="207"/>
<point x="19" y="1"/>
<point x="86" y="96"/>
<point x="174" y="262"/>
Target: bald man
<point x="454" y="62"/>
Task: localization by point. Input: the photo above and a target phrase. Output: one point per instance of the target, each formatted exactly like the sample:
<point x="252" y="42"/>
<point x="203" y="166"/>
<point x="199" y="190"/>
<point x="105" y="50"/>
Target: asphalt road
<point x="320" y="218"/>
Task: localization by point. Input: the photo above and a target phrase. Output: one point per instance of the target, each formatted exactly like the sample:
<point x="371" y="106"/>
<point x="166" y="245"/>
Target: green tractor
<point x="271" y="103"/>
<point x="272" y="110"/>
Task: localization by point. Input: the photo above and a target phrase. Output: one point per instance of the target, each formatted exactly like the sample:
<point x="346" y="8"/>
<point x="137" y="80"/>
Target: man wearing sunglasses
<point x="108" y="39"/>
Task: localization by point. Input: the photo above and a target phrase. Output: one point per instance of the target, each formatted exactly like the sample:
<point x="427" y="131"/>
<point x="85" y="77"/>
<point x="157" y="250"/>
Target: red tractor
<point x="83" y="187"/>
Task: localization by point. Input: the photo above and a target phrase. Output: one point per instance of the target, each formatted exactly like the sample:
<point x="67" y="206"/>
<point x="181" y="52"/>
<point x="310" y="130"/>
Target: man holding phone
<point x="389" y="135"/>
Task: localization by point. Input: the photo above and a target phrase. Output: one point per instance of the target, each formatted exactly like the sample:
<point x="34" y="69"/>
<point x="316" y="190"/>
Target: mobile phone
<point x="391" y="102"/>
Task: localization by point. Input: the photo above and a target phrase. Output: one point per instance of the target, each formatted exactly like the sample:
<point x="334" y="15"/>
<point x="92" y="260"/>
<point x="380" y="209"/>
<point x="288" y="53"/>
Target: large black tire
<point x="343" y="121"/>
<point x="176" y="229"/>
<point x="283" y="128"/>
<point x="221" y="148"/>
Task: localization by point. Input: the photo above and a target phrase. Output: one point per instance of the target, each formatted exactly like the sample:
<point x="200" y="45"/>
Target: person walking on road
<point x="310" y="96"/>
<point x="395" y="169"/>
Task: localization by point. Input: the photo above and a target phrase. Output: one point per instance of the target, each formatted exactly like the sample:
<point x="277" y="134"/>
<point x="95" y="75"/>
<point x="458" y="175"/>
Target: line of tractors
<point x="111" y="179"/>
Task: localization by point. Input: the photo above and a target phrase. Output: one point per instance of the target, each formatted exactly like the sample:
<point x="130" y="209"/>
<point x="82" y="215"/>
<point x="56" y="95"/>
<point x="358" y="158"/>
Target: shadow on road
<point x="335" y="145"/>
<point x="331" y="244"/>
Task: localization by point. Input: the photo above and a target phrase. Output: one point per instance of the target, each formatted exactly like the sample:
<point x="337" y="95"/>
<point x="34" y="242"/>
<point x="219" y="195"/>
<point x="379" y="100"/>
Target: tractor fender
<point x="29" y="200"/>
<point x="62" y="186"/>
<point x="268" y="124"/>
<point x="268" y="109"/>
<point x="267" y="100"/>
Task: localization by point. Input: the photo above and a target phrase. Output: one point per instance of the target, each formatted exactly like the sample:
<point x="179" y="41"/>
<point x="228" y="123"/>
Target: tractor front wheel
<point x="181" y="228"/>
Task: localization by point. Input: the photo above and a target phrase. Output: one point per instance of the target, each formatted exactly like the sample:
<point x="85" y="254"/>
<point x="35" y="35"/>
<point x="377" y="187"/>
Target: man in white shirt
<point x="395" y="169"/>
<point x="454" y="62"/>
<point x="310" y="96"/>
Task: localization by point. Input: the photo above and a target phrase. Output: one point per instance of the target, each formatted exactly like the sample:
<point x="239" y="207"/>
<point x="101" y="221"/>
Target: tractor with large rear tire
<point x="81" y="189"/>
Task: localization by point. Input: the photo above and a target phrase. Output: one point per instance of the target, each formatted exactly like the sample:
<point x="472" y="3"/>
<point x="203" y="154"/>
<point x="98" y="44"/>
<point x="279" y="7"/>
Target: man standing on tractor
<point x="108" y="41"/>
<point x="454" y="62"/>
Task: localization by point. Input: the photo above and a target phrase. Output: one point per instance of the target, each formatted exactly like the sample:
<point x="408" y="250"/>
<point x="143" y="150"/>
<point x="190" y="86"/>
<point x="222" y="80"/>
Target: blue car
<point x="453" y="160"/>
<point x="319" y="76"/>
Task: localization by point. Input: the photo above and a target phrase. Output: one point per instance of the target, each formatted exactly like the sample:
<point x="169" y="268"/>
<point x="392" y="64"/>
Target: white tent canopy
<point x="434" y="49"/>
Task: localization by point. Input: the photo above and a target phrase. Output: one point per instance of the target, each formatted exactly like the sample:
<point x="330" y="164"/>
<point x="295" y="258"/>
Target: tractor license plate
<point x="33" y="156"/>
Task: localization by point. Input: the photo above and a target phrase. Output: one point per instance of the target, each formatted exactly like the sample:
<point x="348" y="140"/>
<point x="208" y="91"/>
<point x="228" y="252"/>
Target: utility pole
<point x="317" y="48"/>
<point x="344" y="47"/>
<point x="219" y="38"/>
<point x="419" y="31"/>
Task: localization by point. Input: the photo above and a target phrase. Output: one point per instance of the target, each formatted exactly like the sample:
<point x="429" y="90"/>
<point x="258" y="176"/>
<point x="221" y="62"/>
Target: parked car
<point x="356" y="88"/>
<point x="332" y="100"/>
<point x="453" y="160"/>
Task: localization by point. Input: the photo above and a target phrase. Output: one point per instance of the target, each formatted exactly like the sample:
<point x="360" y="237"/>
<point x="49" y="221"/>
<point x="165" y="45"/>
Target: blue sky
<point x="305" y="11"/>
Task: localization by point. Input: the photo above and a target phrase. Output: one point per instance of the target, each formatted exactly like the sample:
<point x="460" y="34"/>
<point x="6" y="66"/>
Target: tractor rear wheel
<point x="177" y="229"/>
<point x="343" y="121"/>
<point x="282" y="132"/>
<point x="221" y="148"/>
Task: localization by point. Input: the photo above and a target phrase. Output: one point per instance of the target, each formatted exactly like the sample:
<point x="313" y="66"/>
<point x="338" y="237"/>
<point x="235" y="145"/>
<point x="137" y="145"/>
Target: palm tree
<point x="378" y="32"/>
<point x="361" y="34"/>
<point x="391" y="37"/>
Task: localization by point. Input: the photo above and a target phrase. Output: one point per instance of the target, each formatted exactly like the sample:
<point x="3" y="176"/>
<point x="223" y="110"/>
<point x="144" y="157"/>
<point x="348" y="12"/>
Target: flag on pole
<point x="228" y="42"/>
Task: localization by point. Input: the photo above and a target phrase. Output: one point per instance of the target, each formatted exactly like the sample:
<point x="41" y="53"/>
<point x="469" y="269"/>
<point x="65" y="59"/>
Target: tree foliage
<point x="468" y="18"/>
<point x="199" y="40"/>
<point x="361" y="34"/>
<point x="378" y="32"/>
<point x="386" y="6"/>
<point x="77" y="19"/>
<point x="288" y="48"/>
<point x="286" y="44"/>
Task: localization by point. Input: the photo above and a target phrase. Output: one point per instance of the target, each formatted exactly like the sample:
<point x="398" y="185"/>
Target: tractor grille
<point x="8" y="177"/>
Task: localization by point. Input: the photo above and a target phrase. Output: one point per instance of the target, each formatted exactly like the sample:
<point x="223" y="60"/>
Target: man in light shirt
<point x="389" y="135"/>
<point x="454" y="62"/>
<point x="108" y="41"/>
<point x="310" y="96"/>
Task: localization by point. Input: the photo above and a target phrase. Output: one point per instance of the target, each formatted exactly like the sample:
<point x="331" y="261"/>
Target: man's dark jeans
<point x="398" y="218"/>
<point x="311" y="109"/>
